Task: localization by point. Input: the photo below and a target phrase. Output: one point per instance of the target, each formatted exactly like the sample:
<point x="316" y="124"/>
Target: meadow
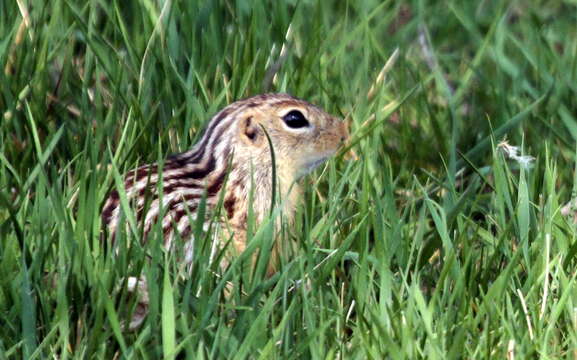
<point x="445" y="236"/>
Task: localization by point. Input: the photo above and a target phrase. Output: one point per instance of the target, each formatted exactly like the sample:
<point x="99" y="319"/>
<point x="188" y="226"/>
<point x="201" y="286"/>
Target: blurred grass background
<point x="432" y="244"/>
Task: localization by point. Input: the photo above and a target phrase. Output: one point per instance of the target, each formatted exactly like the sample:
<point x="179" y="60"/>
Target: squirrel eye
<point x="295" y="119"/>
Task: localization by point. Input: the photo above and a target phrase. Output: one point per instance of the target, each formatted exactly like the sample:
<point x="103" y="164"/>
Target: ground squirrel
<point x="234" y="144"/>
<point x="234" y="147"/>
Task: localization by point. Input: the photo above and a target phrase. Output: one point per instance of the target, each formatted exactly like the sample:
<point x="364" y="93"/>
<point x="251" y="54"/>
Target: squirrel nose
<point x="344" y="131"/>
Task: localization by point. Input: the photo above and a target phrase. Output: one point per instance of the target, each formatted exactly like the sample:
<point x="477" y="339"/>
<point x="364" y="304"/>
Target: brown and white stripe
<point x="232" y="155"/>
<point x="221" y="156"/>
<point x="185" y="179"/>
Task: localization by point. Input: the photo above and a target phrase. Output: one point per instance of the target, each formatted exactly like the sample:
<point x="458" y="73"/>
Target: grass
<point x="432" y="244"/>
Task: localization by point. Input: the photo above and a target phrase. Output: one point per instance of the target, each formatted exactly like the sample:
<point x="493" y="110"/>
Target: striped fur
<point x="185" y="177"/>
<point x="222" y="153"/>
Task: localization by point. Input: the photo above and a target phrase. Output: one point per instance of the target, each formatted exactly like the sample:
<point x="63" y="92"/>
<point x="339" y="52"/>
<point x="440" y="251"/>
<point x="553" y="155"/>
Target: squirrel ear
<point x="250" y="132"/>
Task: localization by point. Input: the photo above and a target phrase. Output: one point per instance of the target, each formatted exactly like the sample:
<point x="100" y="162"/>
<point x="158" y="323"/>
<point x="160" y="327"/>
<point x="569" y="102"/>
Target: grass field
<point x="434" y="243"/>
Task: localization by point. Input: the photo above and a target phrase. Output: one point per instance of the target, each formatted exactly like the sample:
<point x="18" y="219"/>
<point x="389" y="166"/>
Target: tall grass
<point x="431" y="244"/>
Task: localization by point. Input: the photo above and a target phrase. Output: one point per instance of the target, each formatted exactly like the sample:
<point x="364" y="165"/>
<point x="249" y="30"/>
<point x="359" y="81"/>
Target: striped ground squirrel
<point x="234" y="150"/>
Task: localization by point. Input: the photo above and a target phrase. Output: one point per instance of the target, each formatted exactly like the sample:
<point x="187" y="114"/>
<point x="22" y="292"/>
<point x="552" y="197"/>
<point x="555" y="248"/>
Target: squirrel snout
<point x="344" y="131"/>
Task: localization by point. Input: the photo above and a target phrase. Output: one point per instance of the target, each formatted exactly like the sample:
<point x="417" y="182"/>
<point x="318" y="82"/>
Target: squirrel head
<point x="303" y="136"/>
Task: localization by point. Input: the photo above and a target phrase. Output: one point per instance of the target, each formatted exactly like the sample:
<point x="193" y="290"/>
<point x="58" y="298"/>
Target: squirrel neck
<point x="252" y="176"/>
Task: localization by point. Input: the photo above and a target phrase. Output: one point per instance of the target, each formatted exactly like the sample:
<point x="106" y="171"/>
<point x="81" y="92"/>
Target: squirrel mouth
<point x="316" y="163"/>
<point x="310" y="166"/>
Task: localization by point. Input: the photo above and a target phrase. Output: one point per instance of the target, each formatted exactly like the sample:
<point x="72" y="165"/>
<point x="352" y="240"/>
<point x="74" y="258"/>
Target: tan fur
<point x="243" y="150"/>
<point x="234" y="146"/>
<point x="294" y="150"/>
